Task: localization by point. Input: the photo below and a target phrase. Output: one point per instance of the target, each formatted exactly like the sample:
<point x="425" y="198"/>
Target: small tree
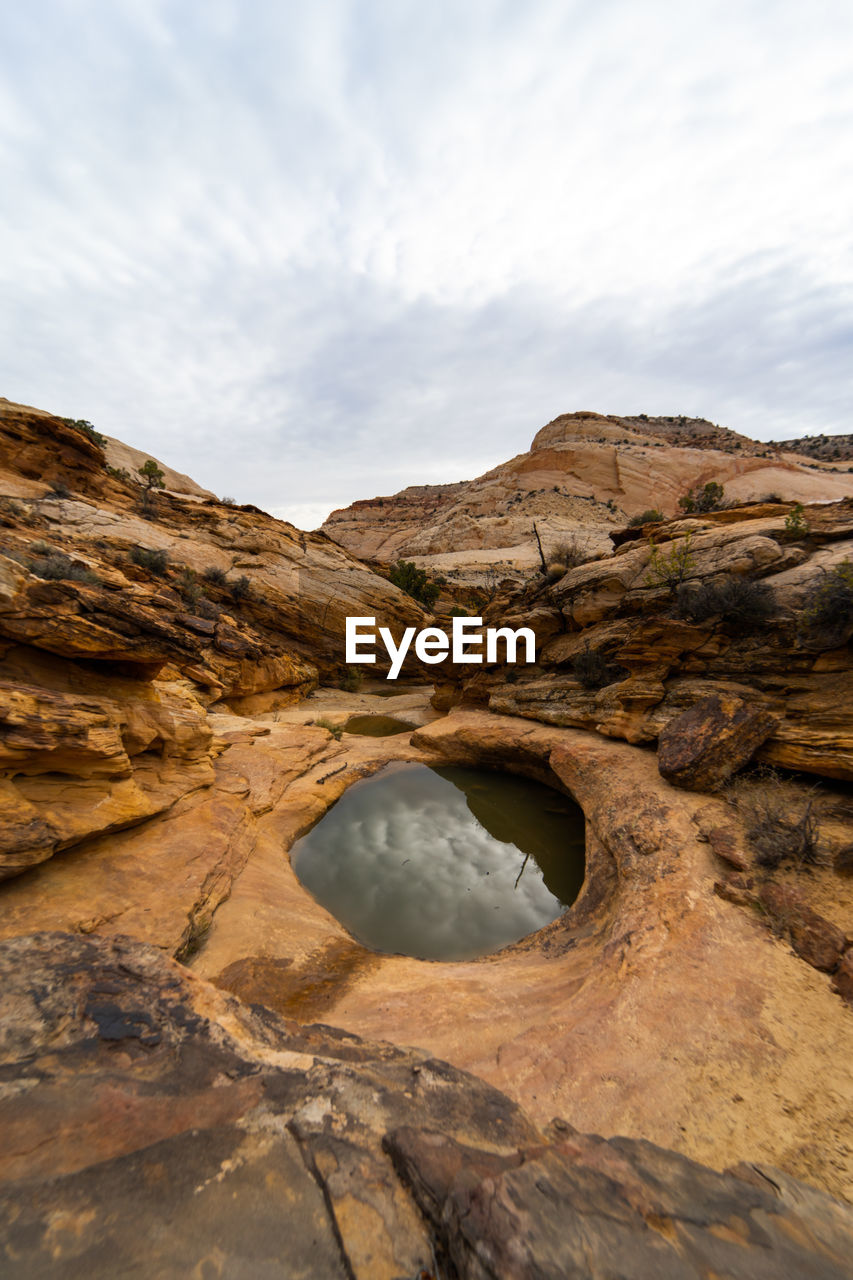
<point x="796" y="525"/>
<point x="152" y="475"/>
<point x="414" y="581"/>
<point x="708" y="498"/>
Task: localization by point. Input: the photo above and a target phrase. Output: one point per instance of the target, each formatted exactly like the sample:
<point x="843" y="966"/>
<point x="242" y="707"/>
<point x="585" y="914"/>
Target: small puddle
<point x="390" y="689"/>
<point x="446" y="863"/>
<point x="377" y="726"/>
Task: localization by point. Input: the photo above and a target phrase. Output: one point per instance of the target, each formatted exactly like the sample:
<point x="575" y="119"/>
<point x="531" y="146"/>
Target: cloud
<point x="310" y="254"/>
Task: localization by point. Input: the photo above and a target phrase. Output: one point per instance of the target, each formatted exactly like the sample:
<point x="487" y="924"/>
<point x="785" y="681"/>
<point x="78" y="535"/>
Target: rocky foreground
<point x="166" y="733"/>
<point x="154" y="1126"/>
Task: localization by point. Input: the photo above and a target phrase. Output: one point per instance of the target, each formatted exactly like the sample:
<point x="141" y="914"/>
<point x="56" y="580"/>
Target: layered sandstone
<point x="584" y="473"/>
<point x="123" y="615"/>
<point x="653" y="661"/>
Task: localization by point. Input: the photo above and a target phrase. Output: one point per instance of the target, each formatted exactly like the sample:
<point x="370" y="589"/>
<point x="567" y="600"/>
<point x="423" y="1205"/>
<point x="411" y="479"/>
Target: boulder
<point x="701" y="749"/>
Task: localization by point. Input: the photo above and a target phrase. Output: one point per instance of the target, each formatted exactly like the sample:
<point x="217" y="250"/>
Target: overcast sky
<point x="315" y="252"/>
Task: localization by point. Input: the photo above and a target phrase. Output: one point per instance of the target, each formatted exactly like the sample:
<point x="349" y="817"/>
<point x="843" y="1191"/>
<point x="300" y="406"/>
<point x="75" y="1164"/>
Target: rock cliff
<point x="584" y="473"/>
<point x="124" y="613"/>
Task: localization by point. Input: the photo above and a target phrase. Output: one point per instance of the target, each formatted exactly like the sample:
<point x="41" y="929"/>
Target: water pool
<point x="444" y="863"/>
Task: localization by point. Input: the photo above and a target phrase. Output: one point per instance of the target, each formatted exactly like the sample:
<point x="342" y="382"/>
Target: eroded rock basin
<point x="444" y="863"/>
<point x="650" y="1008"/>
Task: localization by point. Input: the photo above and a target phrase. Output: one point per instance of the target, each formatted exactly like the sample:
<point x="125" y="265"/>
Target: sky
<point x="310" y="253"/>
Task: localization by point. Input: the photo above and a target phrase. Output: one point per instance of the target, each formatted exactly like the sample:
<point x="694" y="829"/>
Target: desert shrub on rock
<point x="336" y="730"/>
<point x="81" y="424"/>
<point x="796" y="525"/>
<point x="241" y="588"/>
<point x="671" y="567"/>
<point x="59" y="567"/>
<point x="708" y="498"/>
<point x="414" y="581"/>
<point x="187" y="585"/>
<point x="593" y="670"/>
<point x="215" y="576"/>
<point x="155" y="561"/>
<point x="828" y="608"/>
<point x="567" y="554"/>
<point x="740" y="602"/>
<point x="781" y="826"/>
<point x="205" y="608"/>
<point x="652" y="516"/>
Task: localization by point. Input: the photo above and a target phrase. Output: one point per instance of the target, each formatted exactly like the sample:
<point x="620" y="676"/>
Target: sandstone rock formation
<point x="155" y="1126"/>
<point x="584" y="473"/>
<point x="620" y="653"/>
<point x="160" y="732"/>
<point x="122" y="616"/>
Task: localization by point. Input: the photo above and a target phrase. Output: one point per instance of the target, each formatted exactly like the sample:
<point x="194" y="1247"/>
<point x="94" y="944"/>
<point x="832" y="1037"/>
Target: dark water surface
<point x="444" y="864"/>
<point x="372" y="726"/>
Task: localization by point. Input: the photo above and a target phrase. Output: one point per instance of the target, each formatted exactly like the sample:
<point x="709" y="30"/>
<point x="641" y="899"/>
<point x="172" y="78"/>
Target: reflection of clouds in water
<point x="402" y="862"/>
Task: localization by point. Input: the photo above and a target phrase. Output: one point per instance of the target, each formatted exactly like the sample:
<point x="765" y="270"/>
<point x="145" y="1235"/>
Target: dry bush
<point x="593" y="670"/>
<point x="779" y="822"/>
<point x="743" y="603"/>
<point x="567" y="554"/>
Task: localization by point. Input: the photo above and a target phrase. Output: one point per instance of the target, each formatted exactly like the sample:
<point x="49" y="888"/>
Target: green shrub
<point x="652" y="516"/>
<point x="147" y="558"/>
<point x="414" y="581"/>
<point x="241" y="588"/>
<point x="456" y="612"/>
<point x="58" y="490"/>
<point x="708" y="498"/>
<point x="120" y="473"/>
<point x="796" y="525"/>
<point x="215" y="576"/>
<point x="829" y="604"/>
<point x="351" y="680"/>
<point x="740" y="602"/>
<point x="669" y="569"/>
<point x="80" y="424"/>
<point x="59" y="567"/>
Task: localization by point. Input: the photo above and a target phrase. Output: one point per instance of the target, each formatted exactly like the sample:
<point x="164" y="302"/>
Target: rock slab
<point x="155" y="1126"/>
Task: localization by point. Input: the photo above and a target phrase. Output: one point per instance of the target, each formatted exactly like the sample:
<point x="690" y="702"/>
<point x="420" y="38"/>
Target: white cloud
<point x="313" y="253"/>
